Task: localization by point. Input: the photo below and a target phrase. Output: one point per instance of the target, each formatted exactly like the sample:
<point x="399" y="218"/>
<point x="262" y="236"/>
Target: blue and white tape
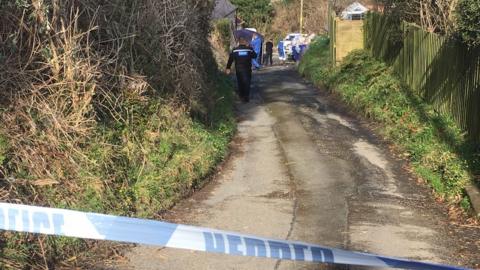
<point x="60" y="222"/>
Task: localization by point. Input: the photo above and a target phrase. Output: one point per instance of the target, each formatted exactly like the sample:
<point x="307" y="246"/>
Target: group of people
<point x="256" y="45"/>
<point x="248" y="53"/>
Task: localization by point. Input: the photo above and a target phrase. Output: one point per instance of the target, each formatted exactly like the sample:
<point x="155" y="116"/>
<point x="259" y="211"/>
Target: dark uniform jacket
<point x="269" y="47"/>
<point x="242" y="56"/>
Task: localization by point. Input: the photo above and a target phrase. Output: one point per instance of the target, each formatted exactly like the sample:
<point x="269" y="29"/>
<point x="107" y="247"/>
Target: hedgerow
<point x="111" y="106"/>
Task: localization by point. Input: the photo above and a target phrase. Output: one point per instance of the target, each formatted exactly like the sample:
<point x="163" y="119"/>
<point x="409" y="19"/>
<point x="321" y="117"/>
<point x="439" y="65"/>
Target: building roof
<point x="355" y="8"/>
<point x="223" y="8"/>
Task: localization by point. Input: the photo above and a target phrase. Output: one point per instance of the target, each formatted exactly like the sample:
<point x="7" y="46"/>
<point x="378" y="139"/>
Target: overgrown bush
<point x="437" y="148"/>
<point x="255" y="13"/>
<point x="3" y="151"/>
<point x="468" y="19"/>
<point x="433" y="16"/>
<point x="111" y="106"/>
<point x="224" y="30"/>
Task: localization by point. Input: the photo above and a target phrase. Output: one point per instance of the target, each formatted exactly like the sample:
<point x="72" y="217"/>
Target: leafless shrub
<point x="67" y="67"/>
<point x="316" y="17"/>
<point x="49" y="112"/>
<point x="434" y="16"/>
<point x="83" y="62"/>
<point x="287" y="17"/>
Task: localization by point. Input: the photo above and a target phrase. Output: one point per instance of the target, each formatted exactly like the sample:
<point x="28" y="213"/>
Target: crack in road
<point x="293" y="187"/>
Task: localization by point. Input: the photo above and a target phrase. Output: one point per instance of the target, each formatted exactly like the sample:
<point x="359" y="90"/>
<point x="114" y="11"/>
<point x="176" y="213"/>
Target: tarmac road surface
<point x="304" y="168"/>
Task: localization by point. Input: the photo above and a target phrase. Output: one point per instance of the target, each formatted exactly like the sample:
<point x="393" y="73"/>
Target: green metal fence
<point x="443" y="71"/>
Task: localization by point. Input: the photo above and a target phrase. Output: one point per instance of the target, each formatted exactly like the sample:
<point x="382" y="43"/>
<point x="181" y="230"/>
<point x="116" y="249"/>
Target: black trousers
<point x="268" y="57"/>
<point x="244" y="78"/>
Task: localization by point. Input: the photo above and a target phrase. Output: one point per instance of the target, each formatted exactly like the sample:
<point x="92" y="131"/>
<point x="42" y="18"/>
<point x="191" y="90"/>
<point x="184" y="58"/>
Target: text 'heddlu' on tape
<point x="60" y="222"/>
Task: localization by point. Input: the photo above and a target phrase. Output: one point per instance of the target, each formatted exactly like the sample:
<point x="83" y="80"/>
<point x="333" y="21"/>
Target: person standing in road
<point x="242" y="56"/>
<point x="268" y="53"/>
<point x="295" y="51"/>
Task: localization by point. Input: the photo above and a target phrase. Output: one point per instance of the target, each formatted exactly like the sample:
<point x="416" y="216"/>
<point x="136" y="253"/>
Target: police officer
<point x="242" y="56"/>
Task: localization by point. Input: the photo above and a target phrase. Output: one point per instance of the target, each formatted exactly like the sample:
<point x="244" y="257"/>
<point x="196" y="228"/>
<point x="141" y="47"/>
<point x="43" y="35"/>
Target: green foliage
<point x="3" y="149"/>
<point x="255" y="13"/>
<point x="466" y="204"/>
<point x="222" y="115"/>
<point x="424" y="135"/>
<point x="468" y="19"/>
<point x="317" y="61"/>
<point x="223" y="27"/>
<point x="154" y="159"/>
<point x="402" y="10"/>
<point x="139" y="168"/>
<point x="125" y="128"/>
<point x="15" y="3"/>
<point x="442" y="70"/>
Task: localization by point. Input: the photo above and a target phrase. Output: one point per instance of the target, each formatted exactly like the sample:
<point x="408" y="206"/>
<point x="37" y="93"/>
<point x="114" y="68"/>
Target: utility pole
<point x="301" y="16"/>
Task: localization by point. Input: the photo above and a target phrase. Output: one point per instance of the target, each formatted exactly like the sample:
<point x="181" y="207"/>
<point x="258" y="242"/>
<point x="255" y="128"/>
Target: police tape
<point x="60" y="222"/>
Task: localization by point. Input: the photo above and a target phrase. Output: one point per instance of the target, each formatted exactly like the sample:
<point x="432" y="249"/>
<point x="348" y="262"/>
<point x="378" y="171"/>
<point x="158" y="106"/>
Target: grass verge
<point x="437" y="149"/>
<point x="138" y="167"/>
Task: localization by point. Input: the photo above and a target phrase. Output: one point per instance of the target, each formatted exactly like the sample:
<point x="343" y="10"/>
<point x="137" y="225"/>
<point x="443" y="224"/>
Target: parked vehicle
<point x="290" y="39"/>
<point x="295" y="44"/>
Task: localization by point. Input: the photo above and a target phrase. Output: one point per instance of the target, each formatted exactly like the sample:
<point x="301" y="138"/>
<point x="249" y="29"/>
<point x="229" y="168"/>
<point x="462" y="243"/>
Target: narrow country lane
<point x="303" y="169"/>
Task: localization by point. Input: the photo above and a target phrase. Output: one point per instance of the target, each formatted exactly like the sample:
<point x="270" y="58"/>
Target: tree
<point x="339" y="5"/>
<point x="468" y="18"/>
<point x="256" y="13"/>
<point x="433" y="15"/>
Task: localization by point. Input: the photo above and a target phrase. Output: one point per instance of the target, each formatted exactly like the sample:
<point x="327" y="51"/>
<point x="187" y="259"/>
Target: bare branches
<point x="73" y="72"/>
<point x="78" y="61"/>
<point x="434" y="16"/>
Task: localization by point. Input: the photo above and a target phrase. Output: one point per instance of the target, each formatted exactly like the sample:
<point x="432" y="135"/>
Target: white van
<point x="292" y="38"/>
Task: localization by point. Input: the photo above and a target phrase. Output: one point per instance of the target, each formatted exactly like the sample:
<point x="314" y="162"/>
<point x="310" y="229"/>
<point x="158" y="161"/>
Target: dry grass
<point x="53" y="114"/>
<point x="90" y="92"/>
<point x="65" y="71"/>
